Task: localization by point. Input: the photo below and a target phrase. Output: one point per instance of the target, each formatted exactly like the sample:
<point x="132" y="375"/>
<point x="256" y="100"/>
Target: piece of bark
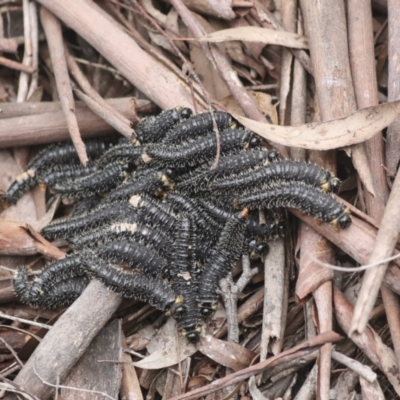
<point x="220" y="9"/>
<point x="98" y="369"/>
<point x="12" y="110"/>
<point x="68" y="339"/>
<point x="51" y="127"/>
<point x="149" y="76"/>
<point x="130" y="387"/>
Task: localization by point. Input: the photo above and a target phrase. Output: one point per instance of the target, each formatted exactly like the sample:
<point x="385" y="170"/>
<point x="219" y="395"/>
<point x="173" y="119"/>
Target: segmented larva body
<point x="183" y="279"/>
<point x="199" y="125"/>
<point x="63" y="293"/>
<point x="153" y="129"/>
<point x="154" y="213"/>
<point x="65" y="173"/>
<point x="21" y="284"/>
<point x="65" y="152"/>
<point x="227" y="251"/>
<point x="305" y="198"/>
<point x="101" y="215"/>
<point x="22" y="183"/>
<point x="135" y="255"/>
<point x="143" y="288"/>
<point x="287" y="170"/>
<point x="98" y="182"/>
<point x="201" y="150"/>
<point x="126" y="152"/>
<point x="84" y="206"/>
<point x="152" y="184"/>
<point x="200" y="178"/>
<point x="59" y="270"/>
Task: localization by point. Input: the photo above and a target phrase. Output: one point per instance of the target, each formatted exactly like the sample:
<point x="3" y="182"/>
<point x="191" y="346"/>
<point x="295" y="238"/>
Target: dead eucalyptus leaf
<point x="355" y="128"/>
<point x="257" y="34"/>
<point x="229" y="354"/>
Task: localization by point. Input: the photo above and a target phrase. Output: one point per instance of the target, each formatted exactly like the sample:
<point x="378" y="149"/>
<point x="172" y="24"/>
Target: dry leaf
<point x="257" y="34"/>
<point x="355" y="128"/>
<point x="229" y="354"/>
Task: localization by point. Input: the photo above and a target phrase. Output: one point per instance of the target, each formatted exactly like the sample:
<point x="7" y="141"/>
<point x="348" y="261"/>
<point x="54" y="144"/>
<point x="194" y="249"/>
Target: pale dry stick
<point x="150" y="77"/>
<point x="12" y="351"/>
<point x="8" y="45"/>
<point x="371" y="391"/>
<point x="286" y="356"/>
<point x="224" y="67"/>
<point x="130" y="387"/>
<point x="89" y="90"/>
<point x="6" y="62"/>
<point x="307" y="391"/>
<point x="24" y="321"/>
<point x="105" y="114"/>
<point x="27" y="59"/>
<point x="363" y="370"/>
<point x="51" y="127"/>
<point x="34" y="34"/>
<point x="384" y="245"/>
<point x="68" y="339"/>
<point x="52" y="30"/>
<point x="275" y="301"/>
<point x="393" y="137"/>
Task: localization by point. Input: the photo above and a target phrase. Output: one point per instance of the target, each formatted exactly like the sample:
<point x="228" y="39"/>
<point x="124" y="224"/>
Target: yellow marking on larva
<point x="134" y="200"/>
<point x="146" y="159"/>
<point x="124" y="227"/>
<point x="30" y="173"/>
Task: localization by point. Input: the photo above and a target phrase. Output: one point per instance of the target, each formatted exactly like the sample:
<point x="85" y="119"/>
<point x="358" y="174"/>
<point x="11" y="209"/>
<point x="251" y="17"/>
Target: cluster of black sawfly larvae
<point x="161" y="219"/>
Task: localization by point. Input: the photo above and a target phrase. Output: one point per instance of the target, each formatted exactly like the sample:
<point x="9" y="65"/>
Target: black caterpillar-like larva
<point x="101" y="215"/>
<point x="153" y="129"/>
<point x="134" y="255"/>
<point x="183" y="278"/>
<point x="64" y="173"/>
<point x="125" y="152"/>
<point x="228" y="249"/>
<point x="199" y="125"/>
<point x="305" y="198"/>
<point x="96" y="183"/>
<point x="201" y="150"/>
<point x="287" y="170"/>
<point x="200" y="178"/>
<point x="144" y="288"/>
<point x="23" y="182"/>
<point x="84" y="206"/>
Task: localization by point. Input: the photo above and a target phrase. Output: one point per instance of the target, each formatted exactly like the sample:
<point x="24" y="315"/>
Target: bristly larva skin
<point x="22" y="183"/>
<point x="63" y="293"/>
<point x="287" y="170"/>
<point x="64" y="173"/>
<point x="84" y="206"/>
<point x="201" y="150"/>
<point x="227" y="251"/>
<point x="101" y="215"/>
<point x="144" y="288"/>
<point x="199" y="125"/>
<point x="96" y="183"/>
<point x="304" y="198"/>
<point x="65" y="152"/>
<point x="200" y="178"/>
<point x="124" y="152"/>
<point x="21" y="285"/>
<point x="134" y="255"/>
<point x="59" y="270"/>
<point x="153" y="129"/>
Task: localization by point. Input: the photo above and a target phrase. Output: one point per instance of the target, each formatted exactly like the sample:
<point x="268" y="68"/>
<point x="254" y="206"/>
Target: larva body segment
<point x="201" y="150"/>
<point x="144" y="288"/>
<point x="287" y="170"/>
<point x="305" y="198"/>
<point x="153" y="129"/>
<point x="84" y="206"/>
<point x="65" y="152"/>
<point x="134" y="255"/>
<point x="228" y="249"/>
<point x="124" y="152"/>
<point x="62" y="293"/>
<point x="101" y="215"/>
<point x="22" y="183"/>
<point x="21" y="285"/>
<point x="65" y="173"/>
<point x="199" y="125"/>
<point x="96" y="183"/>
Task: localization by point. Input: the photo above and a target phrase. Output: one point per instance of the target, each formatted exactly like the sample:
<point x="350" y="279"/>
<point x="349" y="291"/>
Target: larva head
<point x="185" y="113"/>
<point x="178" y="308"/>
<point x="167" y="184"/>
<point x="335" y="184"/>
<point x="192" y="333"/>
<point x="254" y="141"/>
<point x="207" y="308"/>
<point x="273" y="156"/>
<point x="258" y="249"/>
<point x="343" y="220"/>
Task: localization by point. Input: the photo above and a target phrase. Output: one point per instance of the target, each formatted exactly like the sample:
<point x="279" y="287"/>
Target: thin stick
<point x="16" y="65"/>
<point x="24" y="321"/>
<point x="33" y="18"/>
<point x="52" y="30"/>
